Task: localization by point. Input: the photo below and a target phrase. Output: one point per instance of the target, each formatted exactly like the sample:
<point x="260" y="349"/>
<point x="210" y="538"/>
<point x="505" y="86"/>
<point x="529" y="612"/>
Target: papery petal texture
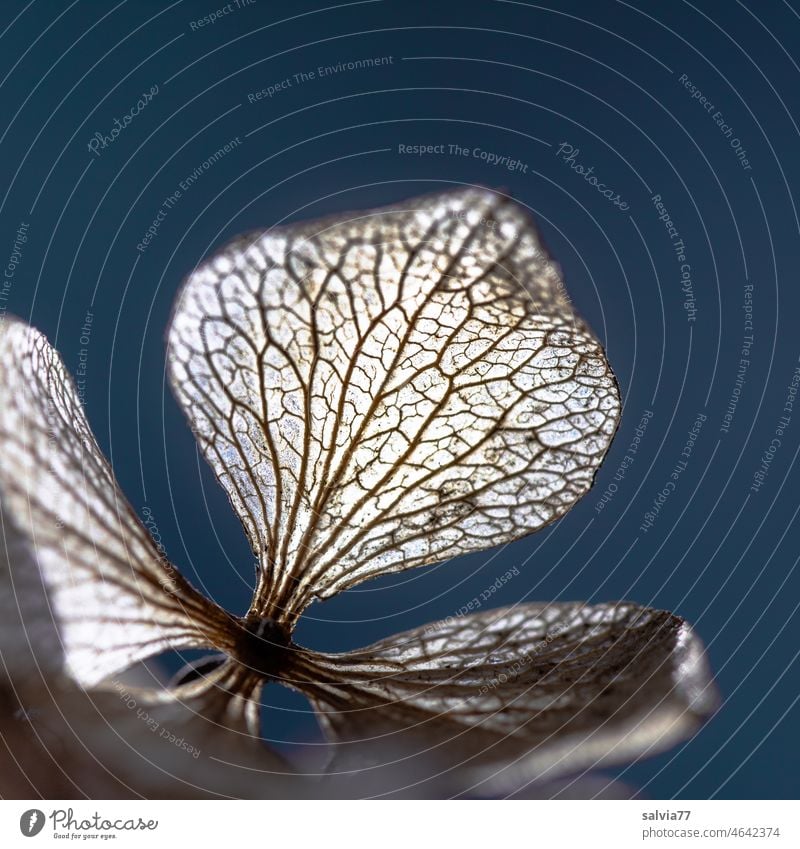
<point x="389" y="389"/>
<point x="520" y="694"/>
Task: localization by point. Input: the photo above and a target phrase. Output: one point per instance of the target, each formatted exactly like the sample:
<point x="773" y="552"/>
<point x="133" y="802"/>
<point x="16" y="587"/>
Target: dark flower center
<point x="263" y="646"/>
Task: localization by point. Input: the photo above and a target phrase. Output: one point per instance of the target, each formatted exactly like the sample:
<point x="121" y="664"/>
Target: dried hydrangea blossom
<point x="375" y="392"/>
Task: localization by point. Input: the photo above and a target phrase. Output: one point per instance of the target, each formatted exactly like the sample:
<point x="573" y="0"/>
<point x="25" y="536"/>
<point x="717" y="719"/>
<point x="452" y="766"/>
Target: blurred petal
<point x="75" y="743"/>
<point x="585" y="787"/>
<point x="30" y="645"/>
<point x="521" y="694"/>
<point x="114" y="600"/>
<point x="387" y="389"/>
<point x="59" y="741"/>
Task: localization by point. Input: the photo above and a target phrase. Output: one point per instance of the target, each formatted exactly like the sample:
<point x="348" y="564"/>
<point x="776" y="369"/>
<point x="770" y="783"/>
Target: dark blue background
<point x="511" y="78"/>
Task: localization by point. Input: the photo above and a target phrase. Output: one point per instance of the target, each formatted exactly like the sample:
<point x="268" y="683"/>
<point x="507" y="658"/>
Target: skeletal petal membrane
<point x="388" y="389"/>
<point x="520" y="694"/>
<point x="230" y="695"/>
<point x="114" y="599"/>
<point x="215" y="718"/>
<point x="58" y="740"/>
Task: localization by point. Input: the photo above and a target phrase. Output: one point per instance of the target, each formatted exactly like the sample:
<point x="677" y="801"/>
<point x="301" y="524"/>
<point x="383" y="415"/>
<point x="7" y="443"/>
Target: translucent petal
<point x="30" y="645"/>
<point x="520" y="694"/>
<point x="58" y="740"/>
<point x="388" y="389"/>
<point x="74" y="743"/>
<point x="114" y="600"/>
